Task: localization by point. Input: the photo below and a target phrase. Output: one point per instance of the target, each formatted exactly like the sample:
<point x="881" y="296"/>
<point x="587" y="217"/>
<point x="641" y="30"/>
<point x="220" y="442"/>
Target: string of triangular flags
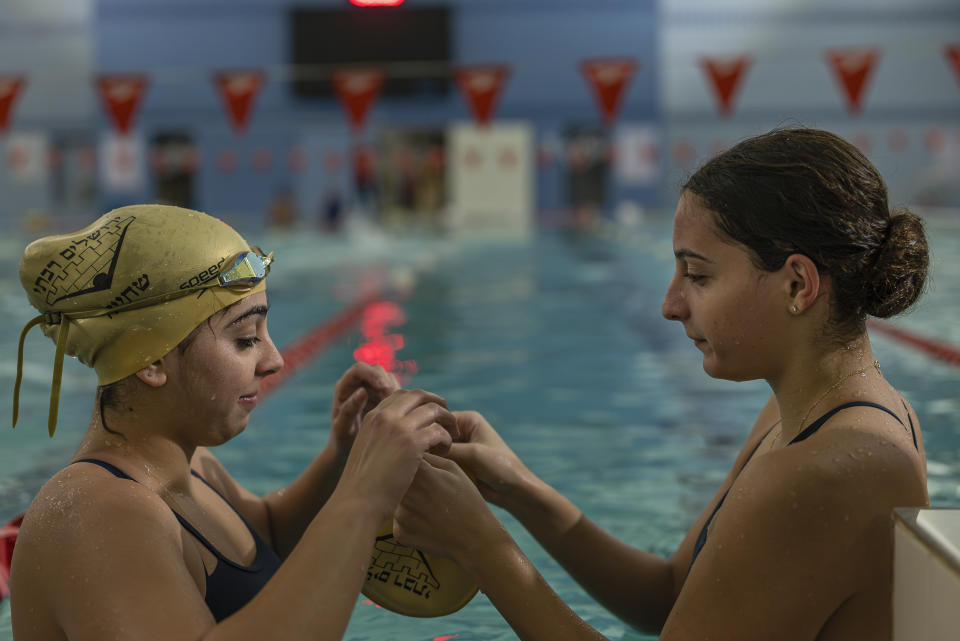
<point x="480" y="85"/>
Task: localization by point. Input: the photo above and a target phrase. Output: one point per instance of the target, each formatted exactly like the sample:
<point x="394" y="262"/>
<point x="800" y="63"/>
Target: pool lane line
<point x="304" y="349"/>
<point x="933" y="348"/>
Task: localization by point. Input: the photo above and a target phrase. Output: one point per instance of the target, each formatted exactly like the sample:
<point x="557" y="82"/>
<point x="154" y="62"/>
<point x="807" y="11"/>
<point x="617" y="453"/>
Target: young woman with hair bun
<point x="784" y="245"/>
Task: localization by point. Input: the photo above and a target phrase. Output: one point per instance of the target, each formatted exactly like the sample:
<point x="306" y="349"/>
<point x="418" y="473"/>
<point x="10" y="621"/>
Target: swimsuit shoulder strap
<point x="913" y="432"/>
<point x="811" y="429"/>
<point x="110" y="467"/>
<point x="702" y="537"/>
<point x="113" y="469"/>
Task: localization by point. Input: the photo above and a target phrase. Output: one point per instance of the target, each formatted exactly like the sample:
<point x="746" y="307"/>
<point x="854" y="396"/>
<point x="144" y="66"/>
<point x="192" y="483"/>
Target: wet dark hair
<point x="811" y="192"/>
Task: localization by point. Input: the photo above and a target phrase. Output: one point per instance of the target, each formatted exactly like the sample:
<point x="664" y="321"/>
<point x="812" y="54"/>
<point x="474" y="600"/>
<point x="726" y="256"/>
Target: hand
<point x="500" y="474"/>
<point x="390" y="444"/>
<point x="357" y="392"/>
<point x="443" y="513"/>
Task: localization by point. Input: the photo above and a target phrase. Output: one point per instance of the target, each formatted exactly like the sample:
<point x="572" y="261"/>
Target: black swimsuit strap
<point x="806" y="433"/>
<point x="913" y="432"/>
<point x="110" y="467"/>
<point x="817" y="424"/>
<point x="254" y="567"/>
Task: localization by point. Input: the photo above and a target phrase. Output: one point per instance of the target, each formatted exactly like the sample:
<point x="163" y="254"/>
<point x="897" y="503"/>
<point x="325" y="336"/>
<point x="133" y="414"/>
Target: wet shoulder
<point x="862" y="459"/>
<point x="81" y="504"/>
<point x="83" y="528"/>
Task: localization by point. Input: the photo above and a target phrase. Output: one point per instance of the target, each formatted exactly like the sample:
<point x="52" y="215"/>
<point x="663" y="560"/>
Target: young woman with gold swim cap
<point x="145" y="535"/>
<point x="784" y="245"/>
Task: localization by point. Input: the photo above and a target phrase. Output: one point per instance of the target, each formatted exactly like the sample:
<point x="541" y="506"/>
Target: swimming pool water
<point x="557" y="340"/>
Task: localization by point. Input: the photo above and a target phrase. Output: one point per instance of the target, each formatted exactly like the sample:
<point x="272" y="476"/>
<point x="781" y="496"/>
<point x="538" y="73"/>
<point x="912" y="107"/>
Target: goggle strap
<point x="57" y="376"/>
<point x="16" y="385"/>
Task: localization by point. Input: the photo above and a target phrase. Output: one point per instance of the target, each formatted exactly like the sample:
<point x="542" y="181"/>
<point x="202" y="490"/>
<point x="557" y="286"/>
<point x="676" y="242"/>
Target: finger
<point x="405" y="401"/>
<point x="431" y="413"/>
<point x="434" y="438"/>
<point x="383" y="381"/>
<point x="362" y="375"/>
<point x="471" y="424"/>
<point x="465" y="455"/>
<point x="378" y="380"/>
<point x="439" y="450"/>
<point x="346" y="386"/>
<point x="441" y="462"/>
<point x="350" y="408"/>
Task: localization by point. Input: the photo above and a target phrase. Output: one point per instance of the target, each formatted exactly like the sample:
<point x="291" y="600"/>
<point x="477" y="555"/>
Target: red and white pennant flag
<point x="608" y="78"/>
<point x="481" y="86"/>
<point x="238" y="89"/>
<point x="852" y="69"/>
<point x="121" y="94"/>
<point x="358" y="89"/>
<point x="953" y="55"/>
<point x="725" y="76"/>
<point x="10" y="87"/>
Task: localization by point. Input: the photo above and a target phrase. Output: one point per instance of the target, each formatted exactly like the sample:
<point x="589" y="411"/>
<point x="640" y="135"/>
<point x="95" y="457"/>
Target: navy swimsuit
<point x="806" y="433"/>
<point x="231" y="585"/>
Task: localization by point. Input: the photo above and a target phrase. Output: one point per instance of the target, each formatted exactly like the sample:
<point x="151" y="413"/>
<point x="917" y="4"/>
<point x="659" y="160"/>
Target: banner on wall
<point x="951" y="51"/>
<point x="10" y="87"/>
<point x="26" y="157"/>
<point x="121" y="95"/>
<point x="638" y="155"/>
<point x="358" y="89"/>
<point x="852" y="69"/>
<point x="608" y="78"/>
<point x="122" y="160"/>
<point x="238" y="89"/>
<point x="481" y="86"/>
<point x="725" y="76"/>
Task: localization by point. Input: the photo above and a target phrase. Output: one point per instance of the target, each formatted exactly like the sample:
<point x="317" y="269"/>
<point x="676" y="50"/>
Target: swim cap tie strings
<point x="16" y="385"/>
<point x="51" y="318"/>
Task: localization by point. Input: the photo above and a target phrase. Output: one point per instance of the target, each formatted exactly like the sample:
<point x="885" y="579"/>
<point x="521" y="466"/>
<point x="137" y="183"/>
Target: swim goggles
<point x="247" y="268"/>
<point x="241" y="271"/>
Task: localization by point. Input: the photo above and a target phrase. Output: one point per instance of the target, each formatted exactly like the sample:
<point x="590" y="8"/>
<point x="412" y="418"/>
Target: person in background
<point x="784" y="245"/>
<point x="144" y="534"/>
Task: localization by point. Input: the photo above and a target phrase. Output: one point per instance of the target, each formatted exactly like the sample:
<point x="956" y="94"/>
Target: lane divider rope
<point x="933" y="348"/>
<point x="304" y="349"/>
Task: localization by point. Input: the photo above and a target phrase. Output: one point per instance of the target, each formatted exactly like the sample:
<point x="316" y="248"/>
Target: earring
<point x="794" y="309"/>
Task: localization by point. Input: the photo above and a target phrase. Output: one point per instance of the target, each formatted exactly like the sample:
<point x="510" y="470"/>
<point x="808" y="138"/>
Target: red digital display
<point x="376" y="3"/>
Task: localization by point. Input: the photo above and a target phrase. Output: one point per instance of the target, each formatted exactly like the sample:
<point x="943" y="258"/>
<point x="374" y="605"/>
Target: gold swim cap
<point x="124" y="291"/>
<point x="405" y="580"/>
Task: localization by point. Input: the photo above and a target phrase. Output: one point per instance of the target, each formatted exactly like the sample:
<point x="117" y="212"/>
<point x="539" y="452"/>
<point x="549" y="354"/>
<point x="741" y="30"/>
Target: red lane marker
<point x="936" y="349"/>
<point x="8" y="537"/>
<point x="305" y="348"/>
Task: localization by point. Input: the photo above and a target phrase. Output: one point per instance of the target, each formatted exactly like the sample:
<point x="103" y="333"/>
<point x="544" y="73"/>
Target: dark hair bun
<point x="899" y="273"/>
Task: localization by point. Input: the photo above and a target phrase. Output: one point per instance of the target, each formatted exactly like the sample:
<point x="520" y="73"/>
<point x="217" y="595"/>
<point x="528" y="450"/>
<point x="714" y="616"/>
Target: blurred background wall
<point x="706" y="73"/>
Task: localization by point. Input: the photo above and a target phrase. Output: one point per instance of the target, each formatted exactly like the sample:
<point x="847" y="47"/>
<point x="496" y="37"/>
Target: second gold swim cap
<point x="405" y="580"/>
<point x="124" y="291"/>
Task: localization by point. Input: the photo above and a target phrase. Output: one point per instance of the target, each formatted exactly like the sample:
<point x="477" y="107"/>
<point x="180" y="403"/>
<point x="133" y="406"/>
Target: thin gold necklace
<point x="861" y="371"/>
